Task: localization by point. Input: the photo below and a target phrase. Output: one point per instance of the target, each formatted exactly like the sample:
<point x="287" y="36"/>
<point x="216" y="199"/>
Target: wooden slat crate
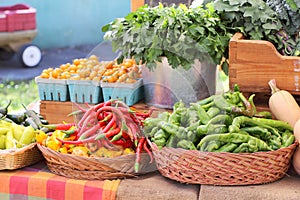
<point x="252" y="63"/>
<point x="57" y="111"/>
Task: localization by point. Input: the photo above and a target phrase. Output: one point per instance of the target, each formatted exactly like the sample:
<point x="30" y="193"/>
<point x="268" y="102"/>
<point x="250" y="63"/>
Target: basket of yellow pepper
<point x="17" y="146"/>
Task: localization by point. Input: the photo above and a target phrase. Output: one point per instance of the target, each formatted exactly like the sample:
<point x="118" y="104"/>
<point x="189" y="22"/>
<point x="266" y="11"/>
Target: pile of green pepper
<point x="227" y="122"/>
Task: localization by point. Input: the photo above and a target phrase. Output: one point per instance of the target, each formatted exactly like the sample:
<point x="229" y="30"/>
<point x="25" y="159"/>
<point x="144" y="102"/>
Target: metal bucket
<point x="165" y="86"/>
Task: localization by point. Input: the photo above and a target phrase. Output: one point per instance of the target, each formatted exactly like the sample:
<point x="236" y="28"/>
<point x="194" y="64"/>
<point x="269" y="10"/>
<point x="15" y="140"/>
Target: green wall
<point x="62" y="23"/>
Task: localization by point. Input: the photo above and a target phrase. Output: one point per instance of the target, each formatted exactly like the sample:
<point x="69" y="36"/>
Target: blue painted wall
<point x="62" y="23"/>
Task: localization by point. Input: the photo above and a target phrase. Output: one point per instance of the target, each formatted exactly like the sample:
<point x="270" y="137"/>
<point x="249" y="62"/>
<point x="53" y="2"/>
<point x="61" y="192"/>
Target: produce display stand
<point x="17" y="30"/>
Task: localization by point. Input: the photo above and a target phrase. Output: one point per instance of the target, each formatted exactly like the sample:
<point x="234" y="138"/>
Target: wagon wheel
<point x="30" y="55"/>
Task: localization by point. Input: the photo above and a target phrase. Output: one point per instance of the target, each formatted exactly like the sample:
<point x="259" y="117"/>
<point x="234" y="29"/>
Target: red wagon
<point x="17" y="30"/>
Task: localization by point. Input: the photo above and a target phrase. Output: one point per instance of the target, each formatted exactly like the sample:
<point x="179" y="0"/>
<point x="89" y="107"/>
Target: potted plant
<point x="186" y="40"/>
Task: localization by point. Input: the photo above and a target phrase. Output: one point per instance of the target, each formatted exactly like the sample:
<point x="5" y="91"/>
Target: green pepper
<point x="242" y="148"/>
<point x="223" y="104"/>
<point x="235" y="138"/>
<point x="249" y="109"/>
<point x="186" y="144"/>
<point x="211" y="129"/>
<point x="232" y="97"/>
<point x="274" y="142"/>
<point x="206" y="100"/>
<point x="221" y="119"/>
<point x="160" y="134"/>
<point x="172" y="141"/>
<point x="274" y="123"/>
<point x="213" y="111"/>
<point x="258" y="131"/>
<point x="174" y="118"/>
<point x="252" y="104"/>
<point x="227" y="147"/>
<point x="160" y="142"/>
<point x="289" y="138"/>
<point x="173" y="129"/>
<point x="152" y="133"/>
<point x="192" y="136"/>
<point x="150" y="123"/>
<point x="208" y="106"/>
<point x="211" y="146"/>
<point x="164" y="116"/>
<point x="264" y="114"/>
<point x="202" y="114"/>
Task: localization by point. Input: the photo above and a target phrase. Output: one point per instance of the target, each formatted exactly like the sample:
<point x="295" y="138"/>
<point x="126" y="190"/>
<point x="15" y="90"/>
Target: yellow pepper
<point x="128" y="151"/>
<point x="40" y="137"/>
<point x="63" y="150"/>
<point x="80" y="151"/>
<point x="53" y="144"/>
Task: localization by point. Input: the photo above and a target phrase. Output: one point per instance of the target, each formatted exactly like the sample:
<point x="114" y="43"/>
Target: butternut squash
<point x="283" y="105"/>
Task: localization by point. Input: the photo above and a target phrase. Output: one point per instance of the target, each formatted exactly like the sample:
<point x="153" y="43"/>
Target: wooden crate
<point x="252" y="63"/>
<point x="57" y="111"/>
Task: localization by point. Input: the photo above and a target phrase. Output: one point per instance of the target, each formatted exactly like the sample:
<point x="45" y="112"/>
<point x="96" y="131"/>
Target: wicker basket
<point x="17" y="158"/>
<point x="211" y="168"/>
<point x="92" y="168"/>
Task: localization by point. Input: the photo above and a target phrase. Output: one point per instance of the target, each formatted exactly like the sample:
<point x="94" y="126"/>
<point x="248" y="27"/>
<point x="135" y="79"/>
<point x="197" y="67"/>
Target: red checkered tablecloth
<point x="37" y="182"/>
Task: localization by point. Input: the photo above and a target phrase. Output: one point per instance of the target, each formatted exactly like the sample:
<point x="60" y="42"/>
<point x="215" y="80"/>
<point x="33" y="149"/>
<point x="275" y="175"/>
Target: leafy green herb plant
<point x="276" y="21"/>
<point x="179" y="33"/>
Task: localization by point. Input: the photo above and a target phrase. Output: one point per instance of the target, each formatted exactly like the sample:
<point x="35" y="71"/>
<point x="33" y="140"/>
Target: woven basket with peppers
<point x="107" y="142"/>
<point x="221" y="140"/>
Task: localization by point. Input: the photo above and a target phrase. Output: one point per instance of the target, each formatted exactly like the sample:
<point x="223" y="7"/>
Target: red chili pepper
<point x="145" y="146"/>
<point x="138" y="154"/>
<point x="97" y="106"/>
<point x="107" y="117"/>
<point x="89" y="132"/>
<point x="112" y="132"/>
<point x="106" y="144"/>
<point x="70" y="141"/>
<point x="85" y="115"/>
<point x="62" y="127"/>
<point x="102" y="124"/>
<point x="117" y="136"/>
<point x="110" y="124"/>
<point x="124" y="143"/>
<point x="125" y="135"/>
<point x="107" y="103"/>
